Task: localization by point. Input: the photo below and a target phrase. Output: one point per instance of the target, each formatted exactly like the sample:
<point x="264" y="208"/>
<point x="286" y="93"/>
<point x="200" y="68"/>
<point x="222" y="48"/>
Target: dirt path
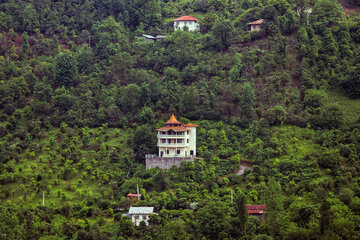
<point x="242" y="168"/>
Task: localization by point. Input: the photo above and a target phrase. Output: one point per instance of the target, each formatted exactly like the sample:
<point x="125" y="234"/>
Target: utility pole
<point x="137" y="189"/>
<point x="43" y="198"/>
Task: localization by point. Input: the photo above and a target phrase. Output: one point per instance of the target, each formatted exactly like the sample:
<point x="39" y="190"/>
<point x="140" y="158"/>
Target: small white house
<point x="187" y="21"/>
<point x="138" y="214"/>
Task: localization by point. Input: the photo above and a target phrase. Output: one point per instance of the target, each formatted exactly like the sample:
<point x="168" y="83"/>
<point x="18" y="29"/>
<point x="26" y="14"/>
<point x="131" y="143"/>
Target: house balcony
<point x="173" y="145"/>
<point x="172" y="136"/>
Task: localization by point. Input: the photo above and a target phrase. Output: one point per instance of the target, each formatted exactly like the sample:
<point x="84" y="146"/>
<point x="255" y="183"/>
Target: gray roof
<point x="141" y="210"/>
<point x="148" y="36"/>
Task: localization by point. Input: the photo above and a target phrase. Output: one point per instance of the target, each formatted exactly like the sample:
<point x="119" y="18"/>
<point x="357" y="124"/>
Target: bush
<point x="276" y="115"/>
<point x="327" y="117"/>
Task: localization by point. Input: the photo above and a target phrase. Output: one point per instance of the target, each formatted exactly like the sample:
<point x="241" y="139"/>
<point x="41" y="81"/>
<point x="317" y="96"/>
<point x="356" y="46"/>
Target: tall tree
<point x="352" y="84"/>
<point x="65" y="69"/>
<point x="274" y="200"/>
<point x="30" y="18"/>
<point x="247" y="100"/>
<point x="223" y="33"/>
<point x="25" y="46"/>
<point x="212" y="221"/>
<point x="241" y="210"/>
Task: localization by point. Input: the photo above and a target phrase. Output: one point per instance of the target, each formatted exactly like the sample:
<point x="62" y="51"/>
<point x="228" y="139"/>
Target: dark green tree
<point x="330" y="47"/>
<point x="65" y="70"/>
<point x="241" y="210"/>
<point x="25" y="46"/>
<point x="30" y="19"/>
<point x="352" y="84"/>
<point x="84" y="58"/>
<point x="276" y="115"/>
<point x="247" y="100"/>
<point x="144" y="142"/>
<point x="324" y="14"/>
<point x="212" y="221"/>
<point x="223" y="33"/>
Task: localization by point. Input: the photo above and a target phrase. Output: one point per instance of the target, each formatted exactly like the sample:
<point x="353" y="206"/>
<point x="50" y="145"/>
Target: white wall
<point x="184" y="150"/>
<point x="192" y="25"/>
<point x="192" y="140"/>
<point x="136" y="219"/>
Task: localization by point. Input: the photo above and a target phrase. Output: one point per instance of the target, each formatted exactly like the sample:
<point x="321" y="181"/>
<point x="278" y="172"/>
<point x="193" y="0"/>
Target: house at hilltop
<point x="176" y="142"/>
<point x="255" y="25"/>
<point x="186" y="21"/>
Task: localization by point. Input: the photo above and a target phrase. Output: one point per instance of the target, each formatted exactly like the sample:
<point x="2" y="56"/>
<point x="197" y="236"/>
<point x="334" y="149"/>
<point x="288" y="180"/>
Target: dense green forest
<point x="82" y="94"/>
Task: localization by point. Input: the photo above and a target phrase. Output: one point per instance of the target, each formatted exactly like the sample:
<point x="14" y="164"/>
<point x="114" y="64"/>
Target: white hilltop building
<point x="188" y="21"/>
<point x="176" y="142"/>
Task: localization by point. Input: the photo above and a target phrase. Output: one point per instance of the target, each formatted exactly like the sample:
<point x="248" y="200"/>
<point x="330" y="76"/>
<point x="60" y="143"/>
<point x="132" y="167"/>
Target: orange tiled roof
<point x="173" y="120"/>
<point x="190" y="125"/>
<point x="186" y="18"/>
<point x="260" y="21"/>
<point x="176" y="129"/>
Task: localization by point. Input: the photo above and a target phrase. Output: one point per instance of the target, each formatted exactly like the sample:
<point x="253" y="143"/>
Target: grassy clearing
<point x="294" y="142"/>
<point x="350" y="107"/>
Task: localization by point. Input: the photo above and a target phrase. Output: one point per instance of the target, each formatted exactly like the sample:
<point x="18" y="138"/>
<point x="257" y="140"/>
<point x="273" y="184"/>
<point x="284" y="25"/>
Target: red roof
<point x="186" y="18"/>
<point x="257" y="22"/>
<point x="133" y="195"/>
<point x="256" y="209"/>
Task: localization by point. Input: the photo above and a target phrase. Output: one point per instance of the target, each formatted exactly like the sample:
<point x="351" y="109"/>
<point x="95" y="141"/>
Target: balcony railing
<point x="171" y="136"/>
<point x="173" y="144"/>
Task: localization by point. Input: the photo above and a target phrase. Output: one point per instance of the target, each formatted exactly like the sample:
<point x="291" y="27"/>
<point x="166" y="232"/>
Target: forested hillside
<point x="82" y="94"/>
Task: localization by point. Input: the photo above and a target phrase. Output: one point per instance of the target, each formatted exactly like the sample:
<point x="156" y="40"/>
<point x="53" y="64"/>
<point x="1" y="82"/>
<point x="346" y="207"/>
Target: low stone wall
<point x="165" y="162"/>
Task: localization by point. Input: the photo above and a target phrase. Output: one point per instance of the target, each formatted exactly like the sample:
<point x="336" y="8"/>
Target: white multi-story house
<point x="176" y="139"/>
<point x="190" y="22"/>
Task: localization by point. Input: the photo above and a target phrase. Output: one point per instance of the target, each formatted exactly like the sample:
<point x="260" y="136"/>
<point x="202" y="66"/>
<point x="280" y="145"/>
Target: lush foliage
<point x="82" y="93"/>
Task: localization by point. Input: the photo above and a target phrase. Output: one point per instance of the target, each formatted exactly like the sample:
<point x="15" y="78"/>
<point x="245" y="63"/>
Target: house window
<point x="179" y="140"/>
<point x="177" y="151"/>
<point x="169" y="141"/>
<point x="167" y="151"/>
<point x="187" y="140"/>
<point x="191" y="152"/>
<point x="163" y="140"/>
